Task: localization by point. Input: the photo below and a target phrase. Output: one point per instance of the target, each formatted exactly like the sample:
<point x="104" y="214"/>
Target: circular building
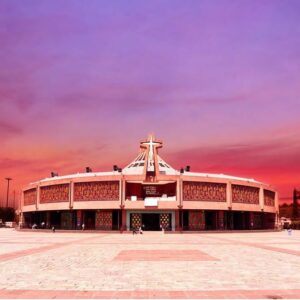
<point x="149" y="193"/>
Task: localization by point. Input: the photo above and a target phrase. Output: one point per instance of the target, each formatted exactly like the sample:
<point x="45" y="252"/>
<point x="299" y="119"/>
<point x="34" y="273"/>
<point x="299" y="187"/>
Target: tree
<point x="7" y="214"/>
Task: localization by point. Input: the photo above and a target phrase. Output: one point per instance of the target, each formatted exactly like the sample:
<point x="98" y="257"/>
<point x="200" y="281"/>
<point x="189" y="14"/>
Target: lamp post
<point x="8" y="180"/>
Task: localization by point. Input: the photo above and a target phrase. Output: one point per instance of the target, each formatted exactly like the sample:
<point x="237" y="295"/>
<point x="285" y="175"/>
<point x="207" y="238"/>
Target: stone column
<point x="21" y="204"/>
<point x="220" y="220"/>
<point x="71" y="194"/>
<point x="21" y="220"/>
<point x="48" y="219"/>
<point x="277" y="225"/>
<point x="178" y="193"/>
<point x="38" y="191"/>
<point x="261" y="198"/>
<point x="202" y="220"/>
<point x="124" y="227"/>
<point x="121" y="189"/>
<point x="229" y="195"/>
<point x="251" y="220"/>
<point x="79" y="219"/>
<point x="181" y="192"/>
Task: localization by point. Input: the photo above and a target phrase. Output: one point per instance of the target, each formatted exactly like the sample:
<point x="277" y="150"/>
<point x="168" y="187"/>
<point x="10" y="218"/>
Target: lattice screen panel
<point x="164" y="220"/>
<point x="136" y="220"/>
<point x="104" y="220"/>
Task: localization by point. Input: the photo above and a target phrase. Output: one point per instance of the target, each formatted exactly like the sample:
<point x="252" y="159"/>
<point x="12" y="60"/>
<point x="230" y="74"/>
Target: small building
<point x="150" y="193"/>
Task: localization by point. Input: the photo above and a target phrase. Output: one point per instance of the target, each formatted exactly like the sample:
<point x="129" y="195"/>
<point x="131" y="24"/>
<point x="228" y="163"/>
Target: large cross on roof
<point x="151" y="145"/>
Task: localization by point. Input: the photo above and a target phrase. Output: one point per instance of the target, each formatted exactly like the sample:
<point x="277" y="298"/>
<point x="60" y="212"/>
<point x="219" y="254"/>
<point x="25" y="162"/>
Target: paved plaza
<point x="35" y="264"/>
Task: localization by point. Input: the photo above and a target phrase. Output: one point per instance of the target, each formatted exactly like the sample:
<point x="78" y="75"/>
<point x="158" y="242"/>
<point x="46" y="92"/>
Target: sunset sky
<point x="82" y="82"/>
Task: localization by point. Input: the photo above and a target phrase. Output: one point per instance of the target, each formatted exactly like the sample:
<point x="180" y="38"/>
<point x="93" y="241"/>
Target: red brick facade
<point x="55" y="193"/>
<point x="96" y="191"/>
<point x="196" y="220"/>
<point x="204" y="191"/>
<point x="245" y="194"/>
<point x="30" y="197"/>
<point x="103" y="220"/>
<point x="269" y="198"/>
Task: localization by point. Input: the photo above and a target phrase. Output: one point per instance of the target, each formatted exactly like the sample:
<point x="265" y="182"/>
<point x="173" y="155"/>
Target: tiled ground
<point x="104" y="265"/>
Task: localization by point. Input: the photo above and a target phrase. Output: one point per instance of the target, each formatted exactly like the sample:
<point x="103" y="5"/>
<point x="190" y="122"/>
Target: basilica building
<point x="151" y="194"/>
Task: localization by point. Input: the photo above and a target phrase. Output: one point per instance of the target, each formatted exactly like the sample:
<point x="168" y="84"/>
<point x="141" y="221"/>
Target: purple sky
<point x="81" y="82"/>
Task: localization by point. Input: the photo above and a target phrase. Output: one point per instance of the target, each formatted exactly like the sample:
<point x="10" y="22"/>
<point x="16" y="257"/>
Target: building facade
<point x="150" y="193"/>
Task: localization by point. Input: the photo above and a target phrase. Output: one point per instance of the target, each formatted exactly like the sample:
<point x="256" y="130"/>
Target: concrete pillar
<point x="229" y="195"/>
<point x="121" y="188"/>
<point x="178" y="193"/>
<point x="123" y="192"/>
<point x="124" y="227"/>
<point x="79" y="219"/>
<point x="261" y="198"/>
<point x="251" y="219"/>
<point x="21" y="220"/>
<point x="181" y="192"/>
<point x="48" y="219"/>
<point x="71" y="194"/>
<point x="21" y="204"/>
<point x="220" y="219"/>
<point x="277" y="225"/>
<point x="38" y="191"/>
<point x="202" y="220"/>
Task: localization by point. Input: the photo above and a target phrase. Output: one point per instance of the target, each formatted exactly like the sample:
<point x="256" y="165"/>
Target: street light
<point x="8" y="180"/>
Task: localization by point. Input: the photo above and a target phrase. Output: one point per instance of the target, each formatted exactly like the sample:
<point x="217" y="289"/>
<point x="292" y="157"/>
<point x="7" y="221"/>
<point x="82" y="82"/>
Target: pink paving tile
<point x="17" y="254"/>
<point x="259" y="246"/>
<point x="177" y="294"/>
<point x="163" y="255"/>
<point x="220" y="294"/>
<point x="276" y="249"/>
<point x="122" y="295"/>
<point x="159" y="295"/>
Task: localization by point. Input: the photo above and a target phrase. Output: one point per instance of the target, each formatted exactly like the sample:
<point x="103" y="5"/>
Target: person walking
<point x="140" y="230"/>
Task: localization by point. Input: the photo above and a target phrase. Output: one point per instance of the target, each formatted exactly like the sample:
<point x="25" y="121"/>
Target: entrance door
<point x="210" y="220"/>
<point x="150" y="222"/>
<point x="55" y="219"/>
<point x="239" y="220"/>
<point x="89" y="219"/>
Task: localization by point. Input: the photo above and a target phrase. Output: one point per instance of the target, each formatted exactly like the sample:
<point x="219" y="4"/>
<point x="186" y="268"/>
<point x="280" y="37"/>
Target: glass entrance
<point x="150" y="222"/>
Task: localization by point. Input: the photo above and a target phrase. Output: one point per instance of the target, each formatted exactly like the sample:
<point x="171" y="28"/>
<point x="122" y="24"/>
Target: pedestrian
<point x="140" y="230"/>
<point x="83" y="226"/>
<point x="53" y="228"/>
